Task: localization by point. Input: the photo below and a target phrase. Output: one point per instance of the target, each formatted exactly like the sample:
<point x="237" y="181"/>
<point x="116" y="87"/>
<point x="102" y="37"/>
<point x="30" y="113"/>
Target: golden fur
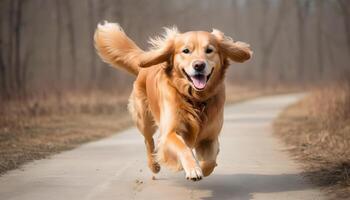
<point x="188" y="118"/>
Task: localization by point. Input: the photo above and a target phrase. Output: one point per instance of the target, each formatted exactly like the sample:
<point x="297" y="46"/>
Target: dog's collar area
<point x="200" y="105"/>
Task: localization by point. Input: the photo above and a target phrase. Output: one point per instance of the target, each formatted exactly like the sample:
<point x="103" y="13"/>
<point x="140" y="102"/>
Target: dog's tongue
<point x="199" y="81"/>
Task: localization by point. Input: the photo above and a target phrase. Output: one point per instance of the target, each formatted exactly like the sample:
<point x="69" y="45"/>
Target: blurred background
<point x="55" y="93"/>
<point x="46" y="47"/>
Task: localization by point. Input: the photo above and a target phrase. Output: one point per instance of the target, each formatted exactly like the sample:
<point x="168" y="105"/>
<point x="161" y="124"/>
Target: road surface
<point x="252" y="164"/>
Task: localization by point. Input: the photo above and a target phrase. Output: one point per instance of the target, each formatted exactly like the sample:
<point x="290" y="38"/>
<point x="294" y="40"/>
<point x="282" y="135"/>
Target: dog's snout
<point x="198" y="65"/>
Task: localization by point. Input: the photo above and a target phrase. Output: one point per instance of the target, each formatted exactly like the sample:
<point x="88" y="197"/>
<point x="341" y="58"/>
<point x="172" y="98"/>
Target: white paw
<point x="194" y="174"/>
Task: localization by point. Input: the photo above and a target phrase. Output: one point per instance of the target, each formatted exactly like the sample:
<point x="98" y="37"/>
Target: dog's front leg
<point x="206" y="153"/>
<point x="178" y="147"/>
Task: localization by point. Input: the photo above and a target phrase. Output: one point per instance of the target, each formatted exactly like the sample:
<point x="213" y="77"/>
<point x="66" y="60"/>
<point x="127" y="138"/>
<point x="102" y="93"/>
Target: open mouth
<point x="199" y="81"/>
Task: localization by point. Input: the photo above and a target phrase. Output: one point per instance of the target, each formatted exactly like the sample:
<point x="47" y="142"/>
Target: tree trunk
<point x="58" y="49"/>
<point x="345" y="9"/>
<point x="71" y="38"/>
<point x="3" y="85"/>
<point x="3" y="71"/>
<point x="92" y="26"/>
<point x="269" y="42"/>
<point x="11" y="82"/>
<point x="301" y="40"/>
<point x="319" y="36"/>
<point x="17" y="48"/>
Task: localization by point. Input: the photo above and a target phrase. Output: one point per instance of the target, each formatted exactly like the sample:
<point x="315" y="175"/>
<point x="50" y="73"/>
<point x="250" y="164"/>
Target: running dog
<point x="179" y="88"/>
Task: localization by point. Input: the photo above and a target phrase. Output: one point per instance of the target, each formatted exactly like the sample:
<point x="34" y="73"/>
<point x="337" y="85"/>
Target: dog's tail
<point x="116" y="48"/>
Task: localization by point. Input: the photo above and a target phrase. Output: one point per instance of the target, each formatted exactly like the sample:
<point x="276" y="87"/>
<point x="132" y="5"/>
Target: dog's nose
<point x="198" y="65"/>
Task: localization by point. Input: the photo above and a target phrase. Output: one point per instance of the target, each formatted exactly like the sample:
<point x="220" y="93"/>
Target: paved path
<point x="251" y="165"/>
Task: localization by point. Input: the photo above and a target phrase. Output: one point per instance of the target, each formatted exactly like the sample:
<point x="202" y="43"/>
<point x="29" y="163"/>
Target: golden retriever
<point x="179" y="88"/>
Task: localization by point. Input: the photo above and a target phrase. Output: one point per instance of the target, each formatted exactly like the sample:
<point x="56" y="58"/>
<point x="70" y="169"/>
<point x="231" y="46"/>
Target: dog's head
<point x="195" y="60"/>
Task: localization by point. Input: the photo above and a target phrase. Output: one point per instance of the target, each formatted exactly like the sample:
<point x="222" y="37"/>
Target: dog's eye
<point x="186" y="51"/>
<point x="208" y="50"/>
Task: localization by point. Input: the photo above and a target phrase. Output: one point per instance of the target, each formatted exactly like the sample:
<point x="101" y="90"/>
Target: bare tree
<point x="269" y="40"/>
<point x="17" y="47"/>
<point x="71" y="38"/>
<point x="58" y="47"/>
<point x="3" y="84"/>
<point x="319" y="36"/>
<point x="92" y="25"/>
<point x="345" y="10"/>
<point x="10" y="46"/>
<point x="292" y="40"/>
<point x="3" y="68"/>
<point x="301" y="17"/>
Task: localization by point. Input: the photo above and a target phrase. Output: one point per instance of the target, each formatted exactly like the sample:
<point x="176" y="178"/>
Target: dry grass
<point x="41" y="126"/>
<point x="37" y="128"/>
<point x="317" y="130"/>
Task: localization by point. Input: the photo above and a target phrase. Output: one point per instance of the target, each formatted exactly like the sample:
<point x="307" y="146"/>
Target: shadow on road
<point x="243" y="186"/>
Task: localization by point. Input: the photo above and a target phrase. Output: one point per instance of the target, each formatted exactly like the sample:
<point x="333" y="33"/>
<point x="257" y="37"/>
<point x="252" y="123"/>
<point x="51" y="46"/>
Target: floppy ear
<point x="162" y="48"/>
<point x="235" y="51"/>
<point x="156" y="56"/>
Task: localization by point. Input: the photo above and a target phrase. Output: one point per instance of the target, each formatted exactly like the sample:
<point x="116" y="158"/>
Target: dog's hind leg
<point x="148" y="130"/>
<point x="206" y="153"/>
<point x="138" y="107"/>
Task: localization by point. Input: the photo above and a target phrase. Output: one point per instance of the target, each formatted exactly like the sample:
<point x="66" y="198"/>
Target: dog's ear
<point x="157" y="56"/>
<point x="162" y="48"/>
<point x="235" y="51"/>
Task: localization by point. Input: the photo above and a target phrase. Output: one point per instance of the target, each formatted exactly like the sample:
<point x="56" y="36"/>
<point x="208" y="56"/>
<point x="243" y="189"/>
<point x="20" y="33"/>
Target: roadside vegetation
<point x="317" y="131"/>
<point x="35" y="128"/>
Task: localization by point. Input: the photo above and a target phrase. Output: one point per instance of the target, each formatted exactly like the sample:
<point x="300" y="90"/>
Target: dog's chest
<point x="212" y="124"/>
<point x="209" y="119"/>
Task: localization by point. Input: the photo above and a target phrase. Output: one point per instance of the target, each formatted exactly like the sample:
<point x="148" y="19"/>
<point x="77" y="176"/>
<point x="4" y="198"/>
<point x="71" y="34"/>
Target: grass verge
<point x="317" y="132"/>
<point x="37" y="128"/>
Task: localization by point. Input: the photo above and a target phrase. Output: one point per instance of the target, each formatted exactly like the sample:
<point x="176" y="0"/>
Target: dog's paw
<point x="155" y="167"/>
<point x="194" y="174"/>
<point x="207" y="167"/>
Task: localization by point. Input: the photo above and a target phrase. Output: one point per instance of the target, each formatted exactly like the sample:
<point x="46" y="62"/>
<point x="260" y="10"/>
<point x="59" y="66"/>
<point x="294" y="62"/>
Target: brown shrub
<point x="331" y="105"/>
<point x="317" y="130"/>
<point x="40" y="126"/>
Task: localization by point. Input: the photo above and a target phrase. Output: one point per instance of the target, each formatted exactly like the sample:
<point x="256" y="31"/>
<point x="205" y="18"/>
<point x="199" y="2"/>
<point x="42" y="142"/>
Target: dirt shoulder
<point x="42" y="127"/>
<point x="317" y="132"/>
<point x="39" y="137"/>
<point x="36" y="128"/>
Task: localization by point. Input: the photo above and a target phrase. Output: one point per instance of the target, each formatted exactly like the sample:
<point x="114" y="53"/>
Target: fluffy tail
<point x="116" y="48"/>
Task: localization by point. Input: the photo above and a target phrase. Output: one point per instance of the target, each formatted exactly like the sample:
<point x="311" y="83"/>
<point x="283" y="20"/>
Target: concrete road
<point x="252" y="164"/>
